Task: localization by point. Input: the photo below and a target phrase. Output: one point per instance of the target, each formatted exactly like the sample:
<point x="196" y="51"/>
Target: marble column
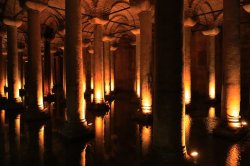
<point x="211" y="66"/>
<point x="230" y="105"/>
<point x="47" y="69"/>
<point x="35" y="77"/>
<point x="146" y="61"/>
<point x="2" y="68"/>
<point x="12" y="65"/>
<point x="76" y="122"/>
<point x="98" y="63"/>
<point x="92" y="67"/>
<point x="169" y="106"/>
<point x="136" y="32"/>
<point x="107" y="75"/>
<point x="112" y="67"/>
<point x="187" y="65"/>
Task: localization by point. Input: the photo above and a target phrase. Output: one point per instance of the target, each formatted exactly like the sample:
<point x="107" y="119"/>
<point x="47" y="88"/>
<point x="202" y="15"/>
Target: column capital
<point x="97" y="20"/>
<point x="107" y="38"/>
<point x="85" y="44"/>
<point x="211" y="31"/>
<point x="136" y="31"/>
<point x="91" y="51"/>
<point x="189" y="22"/>
<point x="140" y="6"/>
<point x="12" y="22"/>
<point x="38" y="6"/>
<point x="113" y="48"/>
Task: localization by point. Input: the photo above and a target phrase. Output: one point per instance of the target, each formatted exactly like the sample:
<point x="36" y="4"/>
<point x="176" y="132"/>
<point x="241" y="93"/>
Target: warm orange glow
<point x="17" y="128"/>
<point x="146" y="139"/>
<point x="187" y="67"/>
<point x="211" y="112"/>
<point x="83" y="156"/>
<point x="233" y="156"/>
<point x="194" y="154"/>
<point x="188" y="122"/>
<point x="92" y="83"/>
<point x="2" y="116"/>
<point x="41" y="140"/>
<point x="92" y="98"/>
<point x="83" y="113"/>
<point x="107" y="88"/>
<point x="212" y="88"/>
<point x="233" y="102"/>
<point x="99" y="135"/>
<point x="138" y="92"/>
<point x="98" y="97"/>
<point x="146" y="104"/>
<point x="112" y="83"/>
<point x="243" y="123"/>
<point x="211" y="65"/>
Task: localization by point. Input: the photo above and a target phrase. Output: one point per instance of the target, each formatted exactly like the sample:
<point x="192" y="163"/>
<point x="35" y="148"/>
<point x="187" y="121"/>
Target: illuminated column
<point x="112" y="68"/>
<point x="231" y="61"/>
<point x="75" y="125"/>
<point x="187" y="65"/>
<point x="84" y="75"/>
<point x="12" y="65"/>
<point x="35" y="78"/>
<point x="169" y="111"/>
<point x="2" y="69"/>
<point x="47" y="68"/>
<point x="211" y="65"/>
<point x="98" y="60"/>
<point x="92" y="70"/>
<point x="136" y="32"/>
<point x="107" y="79"/>
<point x="146" y="61"/>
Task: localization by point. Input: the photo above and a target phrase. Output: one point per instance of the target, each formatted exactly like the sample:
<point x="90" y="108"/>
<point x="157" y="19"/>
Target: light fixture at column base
<point x="35" y="115"/>
<point x="14" y="106"/>
<point x="224" y="130"/>
<point x="99" y="109"/>
<point x="143" y="118"/>
<point x="77" y="131"/>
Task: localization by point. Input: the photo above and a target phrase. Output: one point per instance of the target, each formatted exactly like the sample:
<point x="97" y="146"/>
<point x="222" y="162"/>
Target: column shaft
<point x="98" y="75"/>
<point x="35" y="79"/>
<point x="231" y="60"/>
<point x="211" y="65"/>
<point x="146" y="61"/>
<point x="107" y="67"/>
<point x="112" y="70"/>
<point x="47" y="69"/>
<point x="187" y="65"/>
<point x="169" y="112"/>
<point x="74" y="67"/>
<point x="2" y="69"/>
<point x="137" y="65"/>
<point x="12" y="65"/>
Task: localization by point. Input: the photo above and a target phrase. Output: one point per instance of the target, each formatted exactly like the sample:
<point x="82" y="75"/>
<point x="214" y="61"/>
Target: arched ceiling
<point x="121" y="14"/>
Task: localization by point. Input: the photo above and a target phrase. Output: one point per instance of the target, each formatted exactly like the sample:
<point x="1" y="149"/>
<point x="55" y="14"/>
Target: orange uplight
<point x="146" y="104"/>
<point x="107" y="88"/>
<point x="2" y="116"/>
<point x="92" y="83"/>
<point x="98" y="96"/>
<point x="187" y="96"/>
<point x="211" y="89"/>
<point x="112" y="84"/>
<point x="146" y="139"/>
<point x="194" y="154"/>
<point x="211" y="112"/>
<point x="138" y="88"/>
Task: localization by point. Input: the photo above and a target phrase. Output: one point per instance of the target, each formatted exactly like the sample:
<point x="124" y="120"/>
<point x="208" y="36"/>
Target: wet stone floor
<point x="119" y="140"/>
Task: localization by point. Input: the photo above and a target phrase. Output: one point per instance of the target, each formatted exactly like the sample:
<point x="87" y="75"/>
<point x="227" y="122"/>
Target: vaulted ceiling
<point x="122" y="16"/>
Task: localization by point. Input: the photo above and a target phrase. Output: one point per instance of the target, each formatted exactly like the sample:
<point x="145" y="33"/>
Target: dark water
<point x="118" y="141"/>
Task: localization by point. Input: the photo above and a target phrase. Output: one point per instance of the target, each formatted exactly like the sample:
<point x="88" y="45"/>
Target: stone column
<point x="187" y="65"/>
<point x="47" y="69"/>
<point x="168" y="111"/>
<point x="35" y="77"/>
<point x="98" y="63"/>
<point x="2" y="68"/>
<point x="107" y="79"/>
<point x="112" y="67"/>
<point x="136" y="32"/>
<point x="92" y="67"/>
<point x="12" y="65"/>
<point x="231" y="61"/>
<point x="75" y="124"/>
<point x="146" y="61"/>
<point x="211" y="66"/>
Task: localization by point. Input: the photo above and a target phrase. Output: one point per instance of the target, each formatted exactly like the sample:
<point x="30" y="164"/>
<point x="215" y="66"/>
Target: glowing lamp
<point x="189" y="22"/>
<point x="194" y="154"/>
<point x="243" y="123"/>
<point x="146" y="106"/>
<point x="247" y="8"/>
<point x="187" y="97"/>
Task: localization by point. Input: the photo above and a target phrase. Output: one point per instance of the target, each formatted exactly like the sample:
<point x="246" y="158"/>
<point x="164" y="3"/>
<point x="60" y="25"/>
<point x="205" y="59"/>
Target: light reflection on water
<point x="211" y="121"/>
<point x="146" y="139"/>
<point x="233" y="156"/>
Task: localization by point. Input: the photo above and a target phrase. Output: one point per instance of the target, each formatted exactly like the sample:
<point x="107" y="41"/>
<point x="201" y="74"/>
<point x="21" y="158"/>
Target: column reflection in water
<point x="83" y="156"/>
<point x="233" y="156"/>
<point x="99" y="138"/>
<point x="41" y="142"/>
<point x="188" y="123"/>
<point x="146" y="136"/>
<point x="211" y="120"/>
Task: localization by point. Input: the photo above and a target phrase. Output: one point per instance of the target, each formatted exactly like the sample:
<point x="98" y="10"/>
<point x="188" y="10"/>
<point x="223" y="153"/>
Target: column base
<point x="110" y="97"/>
<point x="99" y="109"/>
<point x="35" y="115"/>
<point x="143" y="118"/>
<point x="76" y="131"/>
<point x="50" y="98"/>
<point x="229" y="133"/>
<point x="14" y="105"/>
